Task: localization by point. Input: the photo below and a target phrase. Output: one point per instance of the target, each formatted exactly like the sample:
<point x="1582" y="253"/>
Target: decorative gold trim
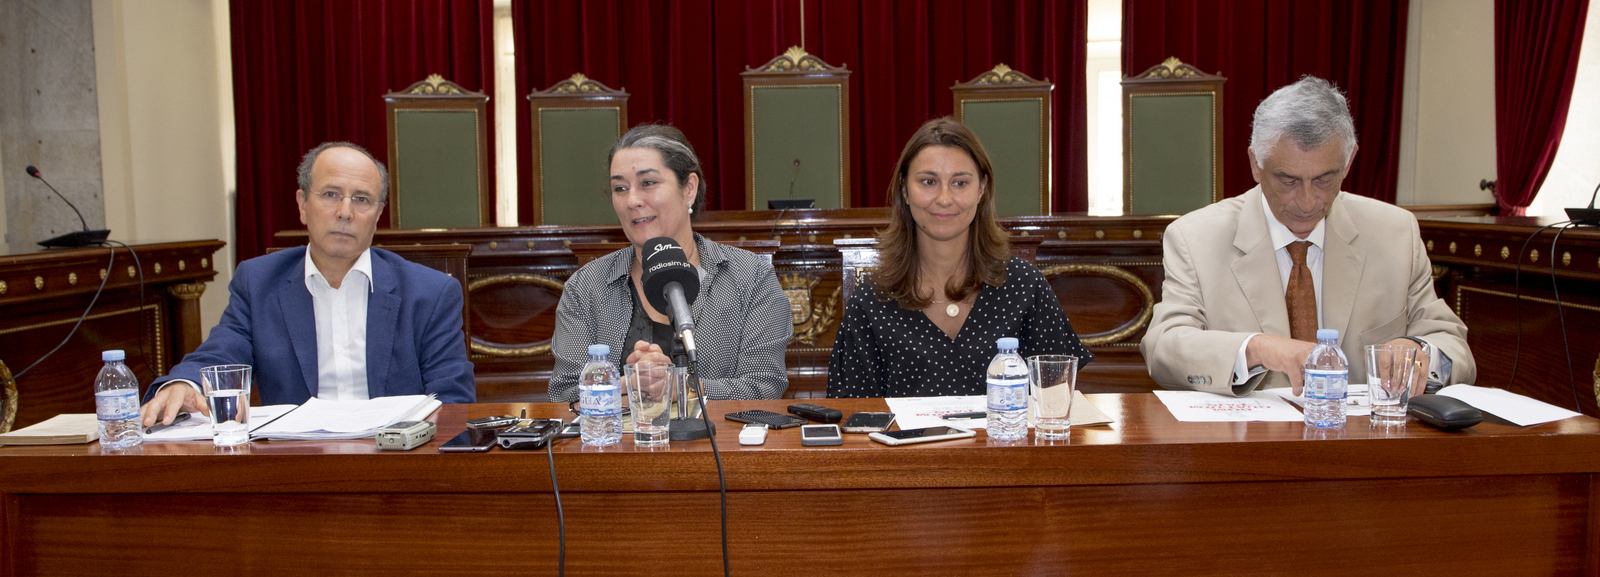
<point x="434" y="84"/>
<point x="183" y="265"/>
<point x="132" y="272"/>
<point x="18" y="329"/>
<point x="1452" y="247"/>
<point x="187" y="292"/>
<point x="1099" y="235"/>
<point x="1581" y="307"/>
<point x="205" y="262"/>
<point x="158" y="268"/>
<point x="2" y="287"/>
<point x="1596" y="375"/>
<point x="1116" y="273"/>
<point x="1505" y="252"/>
<point x="796" y="58"/>
<point x="38" y="283"/>
<point x="1061" y="234"/>
<point x="484" y="347"/>
<point x="577" y="84"/>
<point x="1138" y="233"/>
<point x="72" y="279"/>
<point x="1001" y="75"/>
<point x="1172" y="68"/>
<point x="102" y="274"/>
<point x="1566" y="258"/>
<point x="1533" y="255"/>
<point x="9" y="399"/>
<point x="1439" y="271"/>
<point x="1477" y="250"/>
<point x="1430" y="245"/>
<point x="494" y="245"/>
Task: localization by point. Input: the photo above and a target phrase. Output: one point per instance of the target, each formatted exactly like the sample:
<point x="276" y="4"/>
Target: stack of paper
<point x="198" y="426"/>
<point x="69" y="429"/>
<point x="318" y="419"/>
<point x="1195" y="406"/>
<point x="1507" y="405"/>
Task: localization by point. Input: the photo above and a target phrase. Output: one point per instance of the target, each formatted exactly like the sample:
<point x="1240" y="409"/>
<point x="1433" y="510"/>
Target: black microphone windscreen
<point x="665" y="262"/>
<point x="33" y="172"/>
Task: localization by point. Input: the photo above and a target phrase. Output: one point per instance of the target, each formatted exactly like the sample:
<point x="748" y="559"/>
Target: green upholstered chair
<point x="1011" y="115"/>
<point x="1172" y="139"/>
<point x="797" y="108"/>
<point x="439" y="156"/>
<point x="574" y="123"/>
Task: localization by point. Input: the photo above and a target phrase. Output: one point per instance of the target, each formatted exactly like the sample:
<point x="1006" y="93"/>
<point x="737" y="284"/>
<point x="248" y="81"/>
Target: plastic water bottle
<point x="1008" y="393"/>
<point x="116" y="403"/>
<point x="1327" y="381"/>
<point x="600" y="399"/>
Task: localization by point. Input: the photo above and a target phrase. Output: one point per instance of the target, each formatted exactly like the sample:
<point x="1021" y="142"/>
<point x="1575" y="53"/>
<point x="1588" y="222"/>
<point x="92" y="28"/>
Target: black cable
<point x="561" y="518"/>
<point x="722" y="479"/>
<point x="75" y="326"/>
<point x="1560" y="314"/>
<point x="144" y="351"/>
<point x="1516" y="280"/>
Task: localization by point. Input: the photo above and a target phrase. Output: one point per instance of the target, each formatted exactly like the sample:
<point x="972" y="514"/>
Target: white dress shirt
<point x="341" y="318"/>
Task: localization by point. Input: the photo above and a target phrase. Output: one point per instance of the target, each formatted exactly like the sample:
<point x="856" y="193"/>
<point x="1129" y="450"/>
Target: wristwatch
<point x="1433" y="385"/>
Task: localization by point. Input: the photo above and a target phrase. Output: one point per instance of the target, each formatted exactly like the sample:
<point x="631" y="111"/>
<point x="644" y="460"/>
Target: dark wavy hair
<point x="988" y="247"/>
<point x="676" y="153"/>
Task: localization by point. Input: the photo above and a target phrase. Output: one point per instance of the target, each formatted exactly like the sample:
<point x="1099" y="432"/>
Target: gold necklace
<point x="950" y="311"/>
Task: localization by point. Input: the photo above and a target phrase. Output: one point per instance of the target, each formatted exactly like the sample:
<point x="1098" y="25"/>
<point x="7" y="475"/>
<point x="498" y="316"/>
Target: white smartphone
<point x="923" y="435"/>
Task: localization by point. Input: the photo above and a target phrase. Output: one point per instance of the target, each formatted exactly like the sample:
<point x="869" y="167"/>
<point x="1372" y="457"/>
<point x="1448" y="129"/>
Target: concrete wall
<point x="166" y="118"/>
<point x="1447" y="128"/>
<point x="48" y="119"/>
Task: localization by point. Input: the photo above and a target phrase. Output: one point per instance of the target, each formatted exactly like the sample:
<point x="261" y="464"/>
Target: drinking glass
<point x="227" y="389"/>
<point x="650" y="386"/>
<point x="1051" y="379"/>
<point x="1390" y="369"/>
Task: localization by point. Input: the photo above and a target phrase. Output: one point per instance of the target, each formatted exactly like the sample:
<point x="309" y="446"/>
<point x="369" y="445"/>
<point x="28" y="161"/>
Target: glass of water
<point x="227" y="389"/>
<point x="1390" y="369"/>
<point x="650" y="386"/>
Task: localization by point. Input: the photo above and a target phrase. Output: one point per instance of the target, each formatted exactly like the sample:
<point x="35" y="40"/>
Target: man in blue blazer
<point x="335" y="319"/>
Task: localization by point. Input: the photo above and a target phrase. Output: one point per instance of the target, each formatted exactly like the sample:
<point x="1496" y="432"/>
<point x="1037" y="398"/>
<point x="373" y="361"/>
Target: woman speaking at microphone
<point x="741" y="316"/>
<point x="946" y="286"/>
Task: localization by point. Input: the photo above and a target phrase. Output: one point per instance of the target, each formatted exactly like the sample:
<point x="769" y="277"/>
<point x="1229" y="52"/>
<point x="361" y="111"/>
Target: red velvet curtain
<point x="1262" y="45"/>
<point x="680" y="62"/>
<point x="308" y="71"/>
<point x="1535" y="64"/>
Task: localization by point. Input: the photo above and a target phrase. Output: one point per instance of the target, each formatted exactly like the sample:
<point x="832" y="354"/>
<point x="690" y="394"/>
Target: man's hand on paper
<point x="172" y="399"/>
<point x="1282" y="354"/>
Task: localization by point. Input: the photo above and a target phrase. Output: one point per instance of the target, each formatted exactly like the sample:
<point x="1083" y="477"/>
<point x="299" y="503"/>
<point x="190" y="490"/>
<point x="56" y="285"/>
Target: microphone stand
<point x="684" y="427"/>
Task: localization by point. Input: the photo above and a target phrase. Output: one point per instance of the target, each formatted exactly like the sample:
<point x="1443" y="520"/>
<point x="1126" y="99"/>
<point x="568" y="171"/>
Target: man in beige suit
<point x="1235" y="275"/>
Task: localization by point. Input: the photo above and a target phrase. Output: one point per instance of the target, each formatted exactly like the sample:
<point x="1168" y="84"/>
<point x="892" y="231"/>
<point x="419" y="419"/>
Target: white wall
<point x="1447" y="127"/>
<point x="164" y="75"/>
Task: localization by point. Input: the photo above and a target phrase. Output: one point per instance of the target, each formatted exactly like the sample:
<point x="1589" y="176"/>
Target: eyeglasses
<point x="358" y="202"/>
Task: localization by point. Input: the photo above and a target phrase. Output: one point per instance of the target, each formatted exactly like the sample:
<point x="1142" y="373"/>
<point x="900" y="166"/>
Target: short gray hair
<point x="676" y="153"/>
<point x="1309" y="112"/>
<point x="303" y="173"/>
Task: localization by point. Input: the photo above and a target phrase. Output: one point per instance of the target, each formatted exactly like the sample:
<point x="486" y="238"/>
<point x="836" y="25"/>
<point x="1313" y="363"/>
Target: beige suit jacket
<point x="1222" y="285"/>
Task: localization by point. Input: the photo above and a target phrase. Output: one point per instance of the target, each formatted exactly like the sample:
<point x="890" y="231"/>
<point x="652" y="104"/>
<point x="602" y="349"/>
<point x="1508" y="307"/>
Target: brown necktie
<point x="1301" y="296"/>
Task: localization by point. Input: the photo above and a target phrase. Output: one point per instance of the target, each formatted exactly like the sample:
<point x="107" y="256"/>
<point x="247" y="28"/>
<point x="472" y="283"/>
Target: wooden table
<point x="1145" y="496"/>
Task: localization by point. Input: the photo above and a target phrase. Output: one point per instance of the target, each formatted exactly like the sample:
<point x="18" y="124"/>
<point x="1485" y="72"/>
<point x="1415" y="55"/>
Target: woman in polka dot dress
<point x="946" y="286"/>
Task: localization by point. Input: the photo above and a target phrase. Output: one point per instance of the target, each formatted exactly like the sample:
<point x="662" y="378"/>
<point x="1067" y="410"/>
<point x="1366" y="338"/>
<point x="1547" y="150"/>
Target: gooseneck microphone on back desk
<point x="76" y="239"/>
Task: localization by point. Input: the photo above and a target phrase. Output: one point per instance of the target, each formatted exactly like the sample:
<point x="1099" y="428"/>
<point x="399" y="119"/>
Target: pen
<point x="971" y="415"/>
<point x="160" y="427"/>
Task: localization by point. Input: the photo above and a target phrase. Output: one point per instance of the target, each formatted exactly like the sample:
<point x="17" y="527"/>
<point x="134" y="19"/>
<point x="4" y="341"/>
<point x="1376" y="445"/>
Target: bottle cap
<point x="1007" y="343"/>
<point x="1327" y="334"/>
<point x="599" y="350"/>
<point x="112" y="355"/>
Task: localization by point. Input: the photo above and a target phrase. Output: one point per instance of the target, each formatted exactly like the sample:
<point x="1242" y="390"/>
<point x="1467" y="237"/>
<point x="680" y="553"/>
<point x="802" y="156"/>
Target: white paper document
<point x="319" y="419"/>
<point x="1507" y="405"/>
<point x="1194" y="406"/>
<point x="919" y="412"/>
<point x="198" y="426"/>
<point x="1357" y="403"/>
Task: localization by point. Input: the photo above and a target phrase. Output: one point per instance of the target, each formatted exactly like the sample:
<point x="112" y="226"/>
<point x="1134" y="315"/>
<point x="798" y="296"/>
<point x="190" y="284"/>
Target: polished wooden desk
<point x="1145" y="496"/>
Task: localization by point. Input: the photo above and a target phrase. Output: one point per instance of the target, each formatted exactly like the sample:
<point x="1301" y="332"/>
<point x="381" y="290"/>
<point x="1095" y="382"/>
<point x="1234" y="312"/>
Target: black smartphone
<point x="467" y="442"/>
<point x="868" y="422"/>
<point x="530" y="434"/>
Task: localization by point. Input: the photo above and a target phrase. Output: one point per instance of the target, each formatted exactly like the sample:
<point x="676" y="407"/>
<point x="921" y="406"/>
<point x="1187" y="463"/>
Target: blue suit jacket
<point x="414" y="331"/>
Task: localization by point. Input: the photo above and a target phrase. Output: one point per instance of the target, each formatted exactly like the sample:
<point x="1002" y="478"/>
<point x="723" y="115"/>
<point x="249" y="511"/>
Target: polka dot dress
<point x="883" y="350"/>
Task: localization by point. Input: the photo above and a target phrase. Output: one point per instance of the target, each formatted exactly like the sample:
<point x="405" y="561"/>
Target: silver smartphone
<point x="923" y="435"/>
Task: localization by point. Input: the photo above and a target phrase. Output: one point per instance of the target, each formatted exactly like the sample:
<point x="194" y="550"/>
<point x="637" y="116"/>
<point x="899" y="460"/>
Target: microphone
<point x="796" y="176"/>
<point x="791" y="202"/>
<point x="1586" y="216"/>
<point x="75" y="239"/>
<point x="671" y="284"/>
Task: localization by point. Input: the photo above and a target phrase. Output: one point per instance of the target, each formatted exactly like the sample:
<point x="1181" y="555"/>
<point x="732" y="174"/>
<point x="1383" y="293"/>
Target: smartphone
<point x="467" y="442"/>
<point x="571" y="430"/>
<point x="923" y="435"/>
<point x="868" y="422"/>
<point x="820" y="436"/>
<point x="529" y="434"/>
